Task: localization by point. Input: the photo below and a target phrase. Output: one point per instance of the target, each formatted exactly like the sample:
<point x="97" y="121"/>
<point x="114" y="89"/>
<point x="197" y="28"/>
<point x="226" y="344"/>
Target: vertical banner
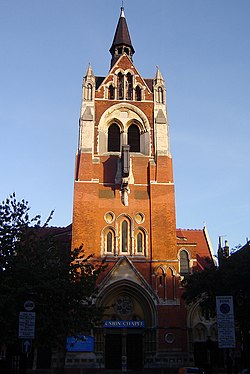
<point x="225" y="321"/>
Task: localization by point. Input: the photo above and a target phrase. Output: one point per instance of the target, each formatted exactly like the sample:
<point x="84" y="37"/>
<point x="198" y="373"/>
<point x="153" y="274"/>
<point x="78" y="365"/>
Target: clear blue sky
<point x="203" y="50"/>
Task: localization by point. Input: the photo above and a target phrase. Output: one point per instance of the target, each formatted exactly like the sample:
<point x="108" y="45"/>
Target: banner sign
<point x="80" y="343"/>
<point x="123" y="324"/>
<point x="225" y="321"/>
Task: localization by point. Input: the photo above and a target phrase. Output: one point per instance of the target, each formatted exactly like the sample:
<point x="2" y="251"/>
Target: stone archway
<point x="129" y="325"/>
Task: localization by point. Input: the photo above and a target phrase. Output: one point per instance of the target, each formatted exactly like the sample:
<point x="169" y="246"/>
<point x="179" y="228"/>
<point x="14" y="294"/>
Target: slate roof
<point x="122" y="36"/>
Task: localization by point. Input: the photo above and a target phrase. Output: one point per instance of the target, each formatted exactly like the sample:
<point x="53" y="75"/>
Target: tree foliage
<point x="231" y="278"/>
<point x="36" y="263"/>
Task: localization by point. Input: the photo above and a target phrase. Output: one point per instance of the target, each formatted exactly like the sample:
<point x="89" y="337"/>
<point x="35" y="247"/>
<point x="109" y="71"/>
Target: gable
<point x="124" y="271"/>
<point x="125" y="65"/>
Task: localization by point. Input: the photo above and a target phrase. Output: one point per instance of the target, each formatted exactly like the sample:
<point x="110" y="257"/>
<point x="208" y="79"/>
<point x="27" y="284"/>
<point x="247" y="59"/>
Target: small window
<point x="109" y="243"/>
<point x="184" y="262"/>
<point x="134" y="138"/>
<point x="126" y="50"/>
<point x="120" y="86"/>
<point x="160" y="95"/>
<point x="138" y="93"/>
<point x="89" y="92"/>
<point x="114" y="138"/>
<point x="129" y="87"/>
<point x="124" y="238"/>
<point x="139" y="243"/>
<point x="111" y="92"/>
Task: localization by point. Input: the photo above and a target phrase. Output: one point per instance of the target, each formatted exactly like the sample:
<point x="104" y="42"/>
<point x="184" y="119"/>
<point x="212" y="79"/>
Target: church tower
<point x="124" y="201"/>
<point x="124" y="212"/>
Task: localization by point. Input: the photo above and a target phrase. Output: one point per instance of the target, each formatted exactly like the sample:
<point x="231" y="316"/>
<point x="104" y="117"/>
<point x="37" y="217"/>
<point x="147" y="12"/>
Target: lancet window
<point x="111" y="92"/>
<point x="110" y="242"/>
<point x="137" y="93"/>
<point x="129" y="87"/>
<point x="125" y="236"/>
<point x="123" y="239"/>
<point x="120" y="86"/>
<point x="113" y="138"/>
<point x="134" y="138"/>
<point x="184" y="262"/>
<point x="160" y="95"/>
<point x="89" y="92"/>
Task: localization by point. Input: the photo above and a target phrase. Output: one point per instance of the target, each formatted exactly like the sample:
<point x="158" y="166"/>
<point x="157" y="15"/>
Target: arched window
<point x="134" y="138"/>
<point x="129" y="87"/>
<point x="89" y="92"/>
<point x="126" y="50"/>
<point x="124" y="236"/>
<point x="114" y="138"/>
<point x="140" y="243"/>
<point x="184" y="262"/>
<point x="111" y="92"/>
<point x="160" y="95"/>
<point x="109" y="241"/>
<point x="138" y="93"/>
<point x="120" y="86"/>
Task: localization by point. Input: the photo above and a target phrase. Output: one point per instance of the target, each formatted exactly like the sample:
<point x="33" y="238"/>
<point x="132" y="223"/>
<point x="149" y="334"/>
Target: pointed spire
<point x="89" y="72"/>
<point x="122" y="41"/>
<point x="158" y="75"/>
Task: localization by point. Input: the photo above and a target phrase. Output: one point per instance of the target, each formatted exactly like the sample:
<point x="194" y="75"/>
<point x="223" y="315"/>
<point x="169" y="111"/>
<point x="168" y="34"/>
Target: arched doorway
<point x="129" y="325"/>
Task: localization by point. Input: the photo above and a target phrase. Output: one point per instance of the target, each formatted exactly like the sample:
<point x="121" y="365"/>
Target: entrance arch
<point x="131" y="317"/>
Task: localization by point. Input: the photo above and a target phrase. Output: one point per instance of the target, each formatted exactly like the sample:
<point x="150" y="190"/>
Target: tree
<point x="231" y="278"/>
<point x="36" y="263"/>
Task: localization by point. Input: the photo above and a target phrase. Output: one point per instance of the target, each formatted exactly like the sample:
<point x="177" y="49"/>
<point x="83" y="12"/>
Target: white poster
<point x="225" y="321"/>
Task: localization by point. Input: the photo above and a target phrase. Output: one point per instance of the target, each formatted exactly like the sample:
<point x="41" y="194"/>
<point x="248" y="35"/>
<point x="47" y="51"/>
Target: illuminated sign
<point x="80" y="343"/>
<point x="123" y="324"/>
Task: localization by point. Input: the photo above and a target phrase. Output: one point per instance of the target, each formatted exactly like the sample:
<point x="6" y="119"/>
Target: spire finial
<point x="122" y="10"/>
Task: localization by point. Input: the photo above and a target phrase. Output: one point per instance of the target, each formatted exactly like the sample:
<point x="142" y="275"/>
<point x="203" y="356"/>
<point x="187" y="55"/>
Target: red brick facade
<point x="130" y="220"/>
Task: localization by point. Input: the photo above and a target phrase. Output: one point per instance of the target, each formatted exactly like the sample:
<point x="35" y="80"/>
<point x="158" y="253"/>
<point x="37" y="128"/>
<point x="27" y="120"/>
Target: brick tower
<point x="124" y="211"/>
<point x="124" y="202"/>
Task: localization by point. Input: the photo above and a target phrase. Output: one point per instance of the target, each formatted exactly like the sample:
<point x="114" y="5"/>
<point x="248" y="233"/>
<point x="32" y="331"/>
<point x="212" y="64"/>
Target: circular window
<point x="109" y="217"/>
<point x="169" y="338"/>
<point x="139" y="218"/>
<point x="124" y="305"/>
